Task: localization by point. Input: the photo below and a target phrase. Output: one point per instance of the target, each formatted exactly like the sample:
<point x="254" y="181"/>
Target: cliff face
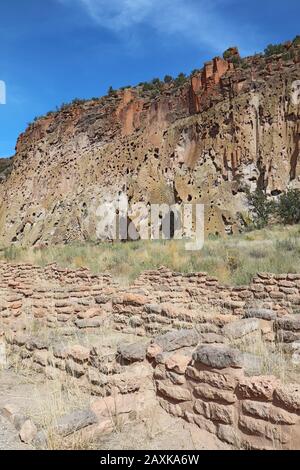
<point x="230" y="126"/>
<point x="5" y="168"/>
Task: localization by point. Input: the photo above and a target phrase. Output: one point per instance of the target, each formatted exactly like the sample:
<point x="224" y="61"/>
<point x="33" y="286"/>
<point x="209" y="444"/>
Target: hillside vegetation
<point x="233" y="260"/>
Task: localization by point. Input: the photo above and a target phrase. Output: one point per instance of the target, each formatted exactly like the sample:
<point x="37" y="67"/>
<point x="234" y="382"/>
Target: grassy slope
<point x="234" y="260"/>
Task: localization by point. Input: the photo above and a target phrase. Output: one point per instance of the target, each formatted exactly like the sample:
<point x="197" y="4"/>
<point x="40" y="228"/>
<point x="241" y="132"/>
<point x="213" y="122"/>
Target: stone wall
<point x="204" y="384"/>
<point x="209" y="388"/>
<point x="163" y="299"/>
<point x="96" y="368"/>
<point x="158" y="301"/>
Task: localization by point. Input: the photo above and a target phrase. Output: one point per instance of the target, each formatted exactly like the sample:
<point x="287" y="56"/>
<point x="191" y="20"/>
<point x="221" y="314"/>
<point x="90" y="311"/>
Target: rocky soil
<point x="153" y="430"/>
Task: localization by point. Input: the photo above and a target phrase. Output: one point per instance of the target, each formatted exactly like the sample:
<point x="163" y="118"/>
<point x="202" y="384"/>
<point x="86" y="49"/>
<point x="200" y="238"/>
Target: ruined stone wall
<point x="158" y="301"/>
<point x="93" y="368"/>
<point x="72" y="325"/>
<point x="161" y="300"/>
<point x="209" y="388"/>
<point x="204" y="384"/>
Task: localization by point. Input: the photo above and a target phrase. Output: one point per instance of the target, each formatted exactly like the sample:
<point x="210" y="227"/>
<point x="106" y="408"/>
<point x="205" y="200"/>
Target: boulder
<point x="89" y="313"/>
<point x="289" y="322"/>
<point x="215" y="379"/>
<point x="135" y="352"/>
<point x="90" y="323"/>
<point x="9" y="411"/>
<point x="211" y="338"/>
<point x="261" y="313"/>
<point x="286" y="336"/>
<point x="153" y="351"/>
<point x="177" y="363"/>
<point x="153" y="308"/>
<point x="101" y="299"/>
<point x="177" y="339"/>
<point x="218" y="356"/>
<point x="268" y="412"/>
<point x="288" y="396"/>
<point x="37" y="343"/>
<point x="28" y="432"/>
<point x="75" y="421"/>
<point x="240" y="328"/>
<point x="134" y="299"/>
<point x="258" y="388"/>
<point x="209" y="393"/>
<point x="176" y="393"/>
<point x="79" y="353"/>
<point x="215" y="411"/>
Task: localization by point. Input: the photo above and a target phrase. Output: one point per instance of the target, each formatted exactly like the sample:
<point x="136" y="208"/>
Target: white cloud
<point x="194" y="20"/>
<point x="119" y="14"/>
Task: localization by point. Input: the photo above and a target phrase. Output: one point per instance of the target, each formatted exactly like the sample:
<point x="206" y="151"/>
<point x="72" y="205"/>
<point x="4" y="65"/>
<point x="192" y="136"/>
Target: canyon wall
<point x="230" y="126"/>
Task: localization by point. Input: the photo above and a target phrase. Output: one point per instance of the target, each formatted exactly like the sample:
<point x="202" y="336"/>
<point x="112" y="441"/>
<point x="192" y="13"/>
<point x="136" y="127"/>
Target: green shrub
<point x="227" y="54"/>
<point x="261" y="208"/>
<point x="148" y="86"/>
<point x="78" y="101"/>
<point x="288" y="207"/>
<point x="288" y="55"/>
<point x="236" y="60"/>
<point x="168" y="79"/>
<point x="181" y="79"/>
<point x="156" y="81"/>
<point x="274" y="49"/>
<point x="245" y="65"/>
<point x="296" y="40"/>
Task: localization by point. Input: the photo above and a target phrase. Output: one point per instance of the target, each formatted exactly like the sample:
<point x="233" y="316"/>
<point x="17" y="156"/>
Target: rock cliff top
<point x="204" y="138"/>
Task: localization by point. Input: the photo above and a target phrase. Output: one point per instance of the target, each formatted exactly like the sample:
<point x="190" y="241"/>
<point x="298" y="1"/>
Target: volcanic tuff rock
<point x="5" y="168"/>
<point x="229" y="126"/>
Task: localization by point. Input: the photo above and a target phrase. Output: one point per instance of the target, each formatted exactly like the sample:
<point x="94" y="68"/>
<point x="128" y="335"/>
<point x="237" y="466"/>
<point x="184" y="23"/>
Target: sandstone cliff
<point x="229" y="126"/>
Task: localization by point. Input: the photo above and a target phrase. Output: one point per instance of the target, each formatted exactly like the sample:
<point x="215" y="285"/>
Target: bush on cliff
<point x="296" y="41"/>
<point x="168" y="79"/>
<point x="181" y="79"/>
<point x="288" y="207"/>
<point x="261" y="208"/>
<point x="274" y="49"/>
<point x="286" y="210"/>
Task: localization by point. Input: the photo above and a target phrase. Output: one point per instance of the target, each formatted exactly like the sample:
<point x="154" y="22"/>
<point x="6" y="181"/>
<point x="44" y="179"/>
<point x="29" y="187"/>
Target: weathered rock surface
<point x="28" y="432"/>
<point x="75" y="421"/>
<point x="225" y="128"/>
<point x="135" y="352"/>
<point x="261" y="313"/>
<point x="241" y="328"/>
<point x="218" y="356"/>
<point x="174" y="340"/>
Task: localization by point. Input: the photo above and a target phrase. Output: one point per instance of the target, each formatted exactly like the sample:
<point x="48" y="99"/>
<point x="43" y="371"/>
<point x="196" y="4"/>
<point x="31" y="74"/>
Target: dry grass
<point x="234" y="260"/>
<point x="272" y="358"/>
<point x="62" y="397"/>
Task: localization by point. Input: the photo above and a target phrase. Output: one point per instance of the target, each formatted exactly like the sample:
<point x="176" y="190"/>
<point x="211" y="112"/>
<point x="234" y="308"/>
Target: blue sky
<point x="55" y="50"/>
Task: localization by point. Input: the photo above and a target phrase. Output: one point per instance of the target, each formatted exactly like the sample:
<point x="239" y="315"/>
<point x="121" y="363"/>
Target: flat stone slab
<point x="240" y="328"/>
<point x="135" y="352"/>
<point x="261" y="313"/>
<point x="290" y="323"/>
<point x="178" y="339"/>
<point x="75" y="421"/>
<point x="218" y="356"/>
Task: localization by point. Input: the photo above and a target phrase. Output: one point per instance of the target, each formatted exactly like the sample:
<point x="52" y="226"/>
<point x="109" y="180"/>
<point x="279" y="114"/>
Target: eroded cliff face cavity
<point x="232" y="125"/>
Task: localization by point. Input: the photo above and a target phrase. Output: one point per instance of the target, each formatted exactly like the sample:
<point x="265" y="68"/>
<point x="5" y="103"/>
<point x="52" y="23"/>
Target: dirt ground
<point x="43" y="400"/>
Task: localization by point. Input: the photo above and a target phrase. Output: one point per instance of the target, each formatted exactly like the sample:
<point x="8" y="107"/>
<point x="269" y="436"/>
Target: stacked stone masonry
<point x="174" y="334"/>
